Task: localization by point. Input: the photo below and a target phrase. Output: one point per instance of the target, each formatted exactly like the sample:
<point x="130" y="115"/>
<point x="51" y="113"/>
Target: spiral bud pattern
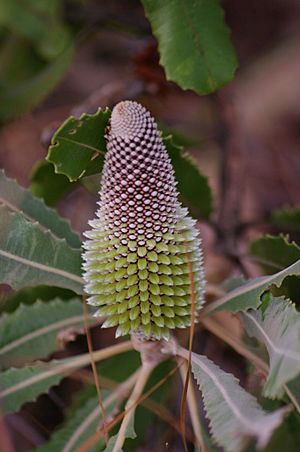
<point x="137" y="254"/>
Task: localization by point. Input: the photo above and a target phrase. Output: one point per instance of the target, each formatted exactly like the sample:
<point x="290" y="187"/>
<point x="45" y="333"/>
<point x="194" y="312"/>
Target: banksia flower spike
<point x="143" y="244"/>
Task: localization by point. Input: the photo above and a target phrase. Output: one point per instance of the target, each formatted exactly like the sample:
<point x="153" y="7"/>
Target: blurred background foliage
<point x="63" y="57"/>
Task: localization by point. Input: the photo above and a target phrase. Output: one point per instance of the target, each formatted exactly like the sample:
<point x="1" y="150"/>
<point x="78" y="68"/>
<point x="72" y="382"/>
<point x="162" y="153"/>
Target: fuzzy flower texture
<point x="143" y="245"/>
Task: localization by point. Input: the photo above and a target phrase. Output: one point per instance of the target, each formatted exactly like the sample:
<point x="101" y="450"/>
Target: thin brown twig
<point x="150" y="404"/>
<point x="193" y="409"/>
<point x="142" y="379"/>
<point x="93" y="364"/>
<point x="119" y="393"/>
<point x="92" y="440"/>
<point x="191" y="336"/>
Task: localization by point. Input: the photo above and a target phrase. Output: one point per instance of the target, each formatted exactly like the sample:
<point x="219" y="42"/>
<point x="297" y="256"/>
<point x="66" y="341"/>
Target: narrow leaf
<point x="194" y="43"/>
<point x="19" y="199"/>
<point x="18" y="386"/>
<point x="248" y="295"/>
<point x="278" y="327"/>
<point x="275" y="252"/>
<point x="31" y="332"/>
<point x="10" y="301"/>
<point x="234" y="415"/>
<point x="25" y="384"/>
<point x="78" y="146"/>
<point x="30" y="256"/>
<point x="193" y="186"/>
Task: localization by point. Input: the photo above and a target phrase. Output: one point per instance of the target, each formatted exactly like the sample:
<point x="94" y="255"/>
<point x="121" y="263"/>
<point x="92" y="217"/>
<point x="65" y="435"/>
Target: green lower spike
<point x="142" y="247"/>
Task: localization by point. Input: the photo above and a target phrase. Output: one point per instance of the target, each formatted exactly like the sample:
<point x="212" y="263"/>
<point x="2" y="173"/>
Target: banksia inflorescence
<point x="143" y="245"/>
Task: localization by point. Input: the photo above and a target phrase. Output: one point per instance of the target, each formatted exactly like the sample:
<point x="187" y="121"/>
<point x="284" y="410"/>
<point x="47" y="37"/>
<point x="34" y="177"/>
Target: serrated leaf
<point x="31" y="332"/>
<point x="18" y="386"/>
<point x="78" y="146"/>
<point x="24" y="385"/>
<point x="83" y="420"/>
<point x="276" y="252"/>
<point x="278" y="328"/>
<point x="249" y="295"/>
<point x="194" y="43"/>
<point x="192" y="185"/>
<point x="78" y="141"/>
<point x="287" y="217"/>
<point x="19" y="199"/>
<point x="30" y="256"/>
<point x="233" y="413"/>
<point x="11" y="300"/>
<point x="46" y="184"/>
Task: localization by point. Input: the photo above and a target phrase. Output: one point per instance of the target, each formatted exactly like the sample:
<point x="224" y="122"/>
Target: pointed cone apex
<point x="142" y="238"/>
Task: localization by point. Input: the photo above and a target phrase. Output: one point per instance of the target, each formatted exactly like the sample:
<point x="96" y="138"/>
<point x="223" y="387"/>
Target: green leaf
<point x="275" y="252"/>
<point x="11" y="300"/>
<point x="233" y="413"/>
<point x="78" y="141"/>
<point x="194" y="43"/>
<point x="192" y="185"/>
<point x="278" y="328"/>
<point x="24" y="385"/>
<point x="46" y="184"/>
<point x="18" y="386"/>
<point x="83" y="420"/>
<point x="287" y="217"/>
<point x="249" y="295"/>
<point x="32" y="332"/>
<point x="78" y="146"/>
<point x="31" y="256"/>
<point x="21" y="95"/>
<point x="19" y="199"/>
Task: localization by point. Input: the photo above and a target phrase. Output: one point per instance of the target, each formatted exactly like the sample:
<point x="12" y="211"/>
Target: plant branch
<point x="93" y="364"/>
<point x="141" y="381"/>
<point x="94" y="438"/>
<point x="119" y="393"/>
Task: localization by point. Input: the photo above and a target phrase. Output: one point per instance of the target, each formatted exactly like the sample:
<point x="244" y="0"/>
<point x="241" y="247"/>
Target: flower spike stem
<point x="117" y="395"/>
<point x="131" y="404"/>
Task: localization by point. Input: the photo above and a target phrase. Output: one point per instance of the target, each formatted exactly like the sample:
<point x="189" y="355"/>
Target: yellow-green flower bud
<point x="138" y="251"/>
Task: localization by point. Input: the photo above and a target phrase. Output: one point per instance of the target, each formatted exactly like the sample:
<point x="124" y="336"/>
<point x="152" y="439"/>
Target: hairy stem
<point x="142" y="379"/>
<point x="118" y="394"/>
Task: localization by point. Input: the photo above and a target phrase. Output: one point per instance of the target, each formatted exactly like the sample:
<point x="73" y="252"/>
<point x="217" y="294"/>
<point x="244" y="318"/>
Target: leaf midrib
<point x="279" y="351"/>
<point x="42" y="267"/>
<point x="79" y="143"/>
<point x="45" y="330"/>
<point x="236" y="411"/>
